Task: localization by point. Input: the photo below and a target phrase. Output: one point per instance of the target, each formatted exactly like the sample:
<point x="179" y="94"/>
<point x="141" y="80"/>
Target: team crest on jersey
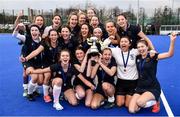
<point x="148" y="59"/>
<point x="100" y="68"/>
<point x="138" y="60"/>
<point x="59" y="72"/>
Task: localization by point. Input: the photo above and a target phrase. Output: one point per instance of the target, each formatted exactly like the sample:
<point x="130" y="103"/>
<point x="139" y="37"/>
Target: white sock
<point x="37" y="88"/>
<point x="111" y="99"/>
<point x="56" y="93"/>
<point x="31" y="87"/>
<point x="58" y="106"/>
<point x="150" y="103"/>
<point x="25" y="86"/>
<point x="46" y="90"/>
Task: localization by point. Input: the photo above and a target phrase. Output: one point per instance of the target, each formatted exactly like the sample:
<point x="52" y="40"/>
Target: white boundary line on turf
<point x="166" y="105"/>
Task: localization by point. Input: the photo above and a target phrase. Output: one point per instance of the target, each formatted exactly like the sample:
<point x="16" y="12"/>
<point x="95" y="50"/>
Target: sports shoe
<point x="156" y="107"/>
<point x="30" y="97"/>
<point x="47" y="98"/>
<point x="36" y="94"/>
<point x="109" y="105"/>
<point x="58" y="106"/>
<point x="25" y="93"/>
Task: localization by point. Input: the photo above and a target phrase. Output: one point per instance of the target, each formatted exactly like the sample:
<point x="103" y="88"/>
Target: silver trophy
<point x="93" y="48"/>
<point x="93" y="52"/>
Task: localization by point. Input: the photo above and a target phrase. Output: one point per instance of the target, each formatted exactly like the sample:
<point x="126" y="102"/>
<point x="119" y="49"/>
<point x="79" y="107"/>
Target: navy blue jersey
<point x="78" y="81"/>
<point x="85" y="45"/>
<point x="50" y="54"/>
<point x="31" y="45"/>
<point x="71" y="45"/>
<point x="77" y="62"/>
<point x="103" y="76"/>
<point x="58" y="71"/>
<point x="147" y="69"/>
<point x="75" y="31"/>
<point x="85" y="69"/>
<point x="24" y="50"/>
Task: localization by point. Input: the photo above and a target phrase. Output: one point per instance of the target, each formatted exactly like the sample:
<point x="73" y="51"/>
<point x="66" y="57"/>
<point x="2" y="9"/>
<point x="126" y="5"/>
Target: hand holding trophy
<point x="93" y="52"/>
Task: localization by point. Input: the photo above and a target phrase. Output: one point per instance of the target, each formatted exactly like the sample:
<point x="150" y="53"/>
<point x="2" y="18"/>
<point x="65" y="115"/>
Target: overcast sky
<point x="149" y="5"/>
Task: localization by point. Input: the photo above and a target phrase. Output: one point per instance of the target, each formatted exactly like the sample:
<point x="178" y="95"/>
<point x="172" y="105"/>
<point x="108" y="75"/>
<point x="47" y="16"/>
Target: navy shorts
<point x="125" y="87"/>
<point x="77" y="81"/>
<point x="155" y="92"/>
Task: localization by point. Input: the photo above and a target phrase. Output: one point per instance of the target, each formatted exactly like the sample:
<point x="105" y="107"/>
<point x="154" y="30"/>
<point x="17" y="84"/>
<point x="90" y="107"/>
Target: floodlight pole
<point x="137" y="21"/>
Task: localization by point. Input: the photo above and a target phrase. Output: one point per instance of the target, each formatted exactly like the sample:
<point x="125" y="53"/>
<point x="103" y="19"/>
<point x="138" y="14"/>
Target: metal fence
<point x="8" y="17"/>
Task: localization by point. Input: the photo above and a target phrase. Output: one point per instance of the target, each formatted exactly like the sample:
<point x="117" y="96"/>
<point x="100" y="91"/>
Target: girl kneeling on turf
<point x="63" y="72"/>
<point x="105" y="69"/>
<point x="148" y="87"/>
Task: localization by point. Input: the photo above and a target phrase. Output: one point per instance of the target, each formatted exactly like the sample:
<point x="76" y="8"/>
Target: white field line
<point x="166" y="105"/>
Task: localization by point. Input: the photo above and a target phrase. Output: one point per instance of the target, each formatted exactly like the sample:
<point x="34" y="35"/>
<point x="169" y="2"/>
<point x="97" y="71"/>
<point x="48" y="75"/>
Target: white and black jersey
<point x="130" y="72"/>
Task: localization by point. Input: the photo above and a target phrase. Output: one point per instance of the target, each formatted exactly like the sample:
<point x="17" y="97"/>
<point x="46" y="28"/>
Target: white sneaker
<point x="111" y="99"/>
<point x="25" y="92"/>
<point x="58" y="106"/>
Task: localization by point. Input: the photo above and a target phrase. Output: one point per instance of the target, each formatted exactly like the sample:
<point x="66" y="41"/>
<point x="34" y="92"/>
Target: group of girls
<point x="59" y="57"/>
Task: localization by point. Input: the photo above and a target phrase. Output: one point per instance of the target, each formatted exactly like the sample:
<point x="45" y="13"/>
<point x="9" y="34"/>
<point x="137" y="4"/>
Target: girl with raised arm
<point x="84" y="85"/>
<point x="31" y="42"/>
<point x="148" y="87"/>
<point x="50" y="49"/>
<point x="105" y="69"/>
